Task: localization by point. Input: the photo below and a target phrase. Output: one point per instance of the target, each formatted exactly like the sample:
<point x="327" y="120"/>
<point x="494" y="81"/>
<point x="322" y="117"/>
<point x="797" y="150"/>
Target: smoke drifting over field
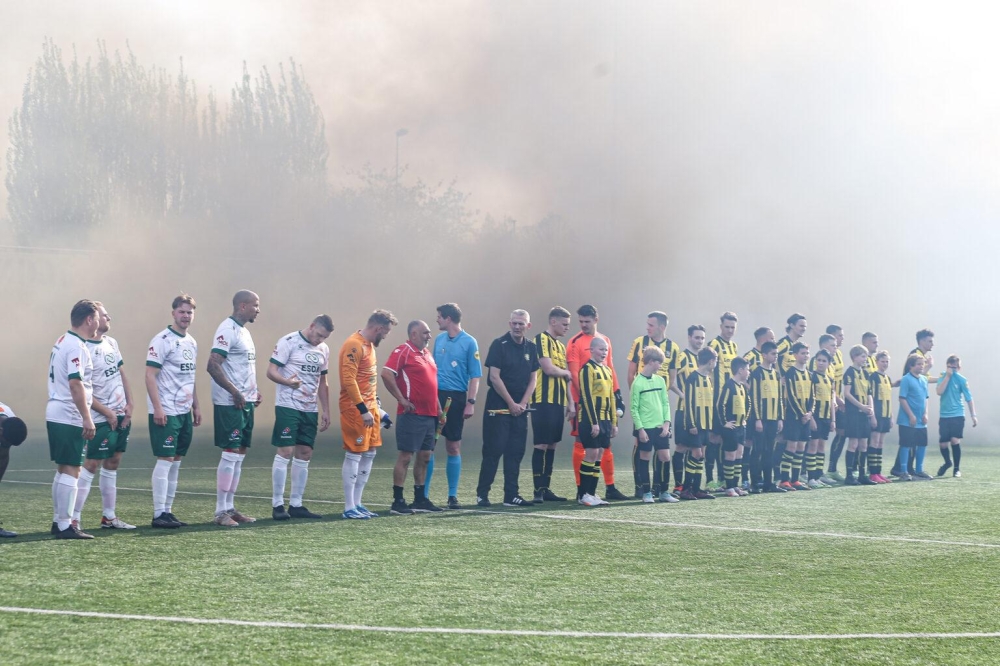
<point x="766" y="158"/>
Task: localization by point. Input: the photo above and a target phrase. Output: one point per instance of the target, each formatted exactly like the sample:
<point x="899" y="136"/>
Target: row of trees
<point x="110" y="147"/>
<point x="110" y="140"/>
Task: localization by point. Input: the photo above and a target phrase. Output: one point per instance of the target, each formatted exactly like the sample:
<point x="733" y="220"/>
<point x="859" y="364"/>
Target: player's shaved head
<point x="598" y="343"/>
<point x="244" y="296"/>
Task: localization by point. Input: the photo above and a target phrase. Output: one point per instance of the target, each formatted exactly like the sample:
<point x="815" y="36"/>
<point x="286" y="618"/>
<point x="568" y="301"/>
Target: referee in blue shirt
<point x="952" y="387"/>
<point x="459" y="369"/>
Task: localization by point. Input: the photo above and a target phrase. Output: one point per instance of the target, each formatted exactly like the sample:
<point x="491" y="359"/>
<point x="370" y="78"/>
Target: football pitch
<point x="897" y="574"/>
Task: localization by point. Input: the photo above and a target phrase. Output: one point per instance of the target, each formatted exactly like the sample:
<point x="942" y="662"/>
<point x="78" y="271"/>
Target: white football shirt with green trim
<point x="108" y="387"/>
<point x="295" y="356"/>
<point x="233" y="341"/>
<point x="176" y="356"/>
<point x="70" y="359"/>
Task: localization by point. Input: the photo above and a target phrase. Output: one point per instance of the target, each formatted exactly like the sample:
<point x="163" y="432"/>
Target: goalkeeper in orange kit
<point x="577" y="354"/>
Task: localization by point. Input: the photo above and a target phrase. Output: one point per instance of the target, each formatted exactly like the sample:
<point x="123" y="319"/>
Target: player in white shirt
<point x="232" y="365"/>
<point x="13" y="431"/>
<point x="67" y="413"/>
<point x="299" y="366"/>
<point x="172" y="402"/>
<point x="112" y="413"/>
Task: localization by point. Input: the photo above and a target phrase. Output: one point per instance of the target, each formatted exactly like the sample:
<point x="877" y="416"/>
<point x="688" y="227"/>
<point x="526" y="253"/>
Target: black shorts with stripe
<point x="455" y="418"/>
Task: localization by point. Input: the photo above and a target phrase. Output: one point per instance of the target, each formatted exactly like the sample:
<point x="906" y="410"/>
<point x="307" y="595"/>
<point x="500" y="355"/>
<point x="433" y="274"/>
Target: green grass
<point x="780" y="569"/>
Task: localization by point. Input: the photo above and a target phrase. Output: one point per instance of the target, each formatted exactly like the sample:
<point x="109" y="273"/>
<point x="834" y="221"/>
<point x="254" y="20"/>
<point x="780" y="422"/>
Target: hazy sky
<point x="775" y="108"/>
<point x="839" y="159"/>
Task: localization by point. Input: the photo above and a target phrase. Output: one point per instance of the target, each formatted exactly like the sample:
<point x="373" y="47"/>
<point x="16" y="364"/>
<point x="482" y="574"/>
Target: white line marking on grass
<point x="727" y="528"/>
<point x="190" y="492"/>
<point x="496" y="632"/>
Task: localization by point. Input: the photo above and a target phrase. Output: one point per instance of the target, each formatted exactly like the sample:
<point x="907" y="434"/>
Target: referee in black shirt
<point x="512" y="363"/>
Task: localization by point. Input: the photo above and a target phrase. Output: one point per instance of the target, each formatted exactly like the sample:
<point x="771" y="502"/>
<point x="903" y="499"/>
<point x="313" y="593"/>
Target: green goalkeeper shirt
<point x="650" y="406"/>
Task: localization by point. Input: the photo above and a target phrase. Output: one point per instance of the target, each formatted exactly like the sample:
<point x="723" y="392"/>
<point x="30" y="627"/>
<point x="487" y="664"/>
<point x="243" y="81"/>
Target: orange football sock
<point x="578" y="454"/>
<point x="608" y="467"/>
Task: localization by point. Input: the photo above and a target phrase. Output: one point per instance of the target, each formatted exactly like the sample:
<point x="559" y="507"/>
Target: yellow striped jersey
<point x="686" y="364"/>
<point x="798" y="391"/>
<point x="856" y="381"/>
<point x="823" y="395"/>
<point x="727" y="351"/>
<point x="671" y="351"/>
<point x="835" y="370"/>
<point x="597" y="393"/>
<point x="550" y="390"/>
<point x="733" y="403"/>
<point x="838" y="371"/>
<point x="785" y="358"/>
<point x="766" y="395"/>
<point x="753" y="358"/>
<point x="870" y="365"/>
<point x="880" y="387"/>
<point x="698" y="398"/>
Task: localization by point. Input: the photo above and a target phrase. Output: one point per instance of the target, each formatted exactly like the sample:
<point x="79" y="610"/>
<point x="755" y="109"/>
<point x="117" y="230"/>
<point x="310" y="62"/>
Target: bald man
<point x="233" y="367"/>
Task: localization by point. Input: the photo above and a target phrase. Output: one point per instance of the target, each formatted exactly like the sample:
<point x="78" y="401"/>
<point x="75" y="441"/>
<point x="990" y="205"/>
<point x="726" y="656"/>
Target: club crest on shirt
<point x="527" y="357"/>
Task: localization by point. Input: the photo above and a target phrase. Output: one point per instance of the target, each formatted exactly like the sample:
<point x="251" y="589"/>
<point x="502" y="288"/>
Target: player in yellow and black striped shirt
<point x="656" y="336"/>
<point x="799" y="424"/>
<point x="766" y="414"/>
<point x="550" y="401"/>
<point x="726" y="349"/>
<point x="733" y="409"/>
<point x="686" y="364"/>
<point x="870" y="342"/>
<point x="824" y="418"/>
<point x="696" y="423"/>
<point x="859" y="414"/>
<point x="880" y="387"/>
<point x="794" y="331"/>
<point x="753" y="357"/>
<point x="837" y="369"/>
<point x="598" y="419"/>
